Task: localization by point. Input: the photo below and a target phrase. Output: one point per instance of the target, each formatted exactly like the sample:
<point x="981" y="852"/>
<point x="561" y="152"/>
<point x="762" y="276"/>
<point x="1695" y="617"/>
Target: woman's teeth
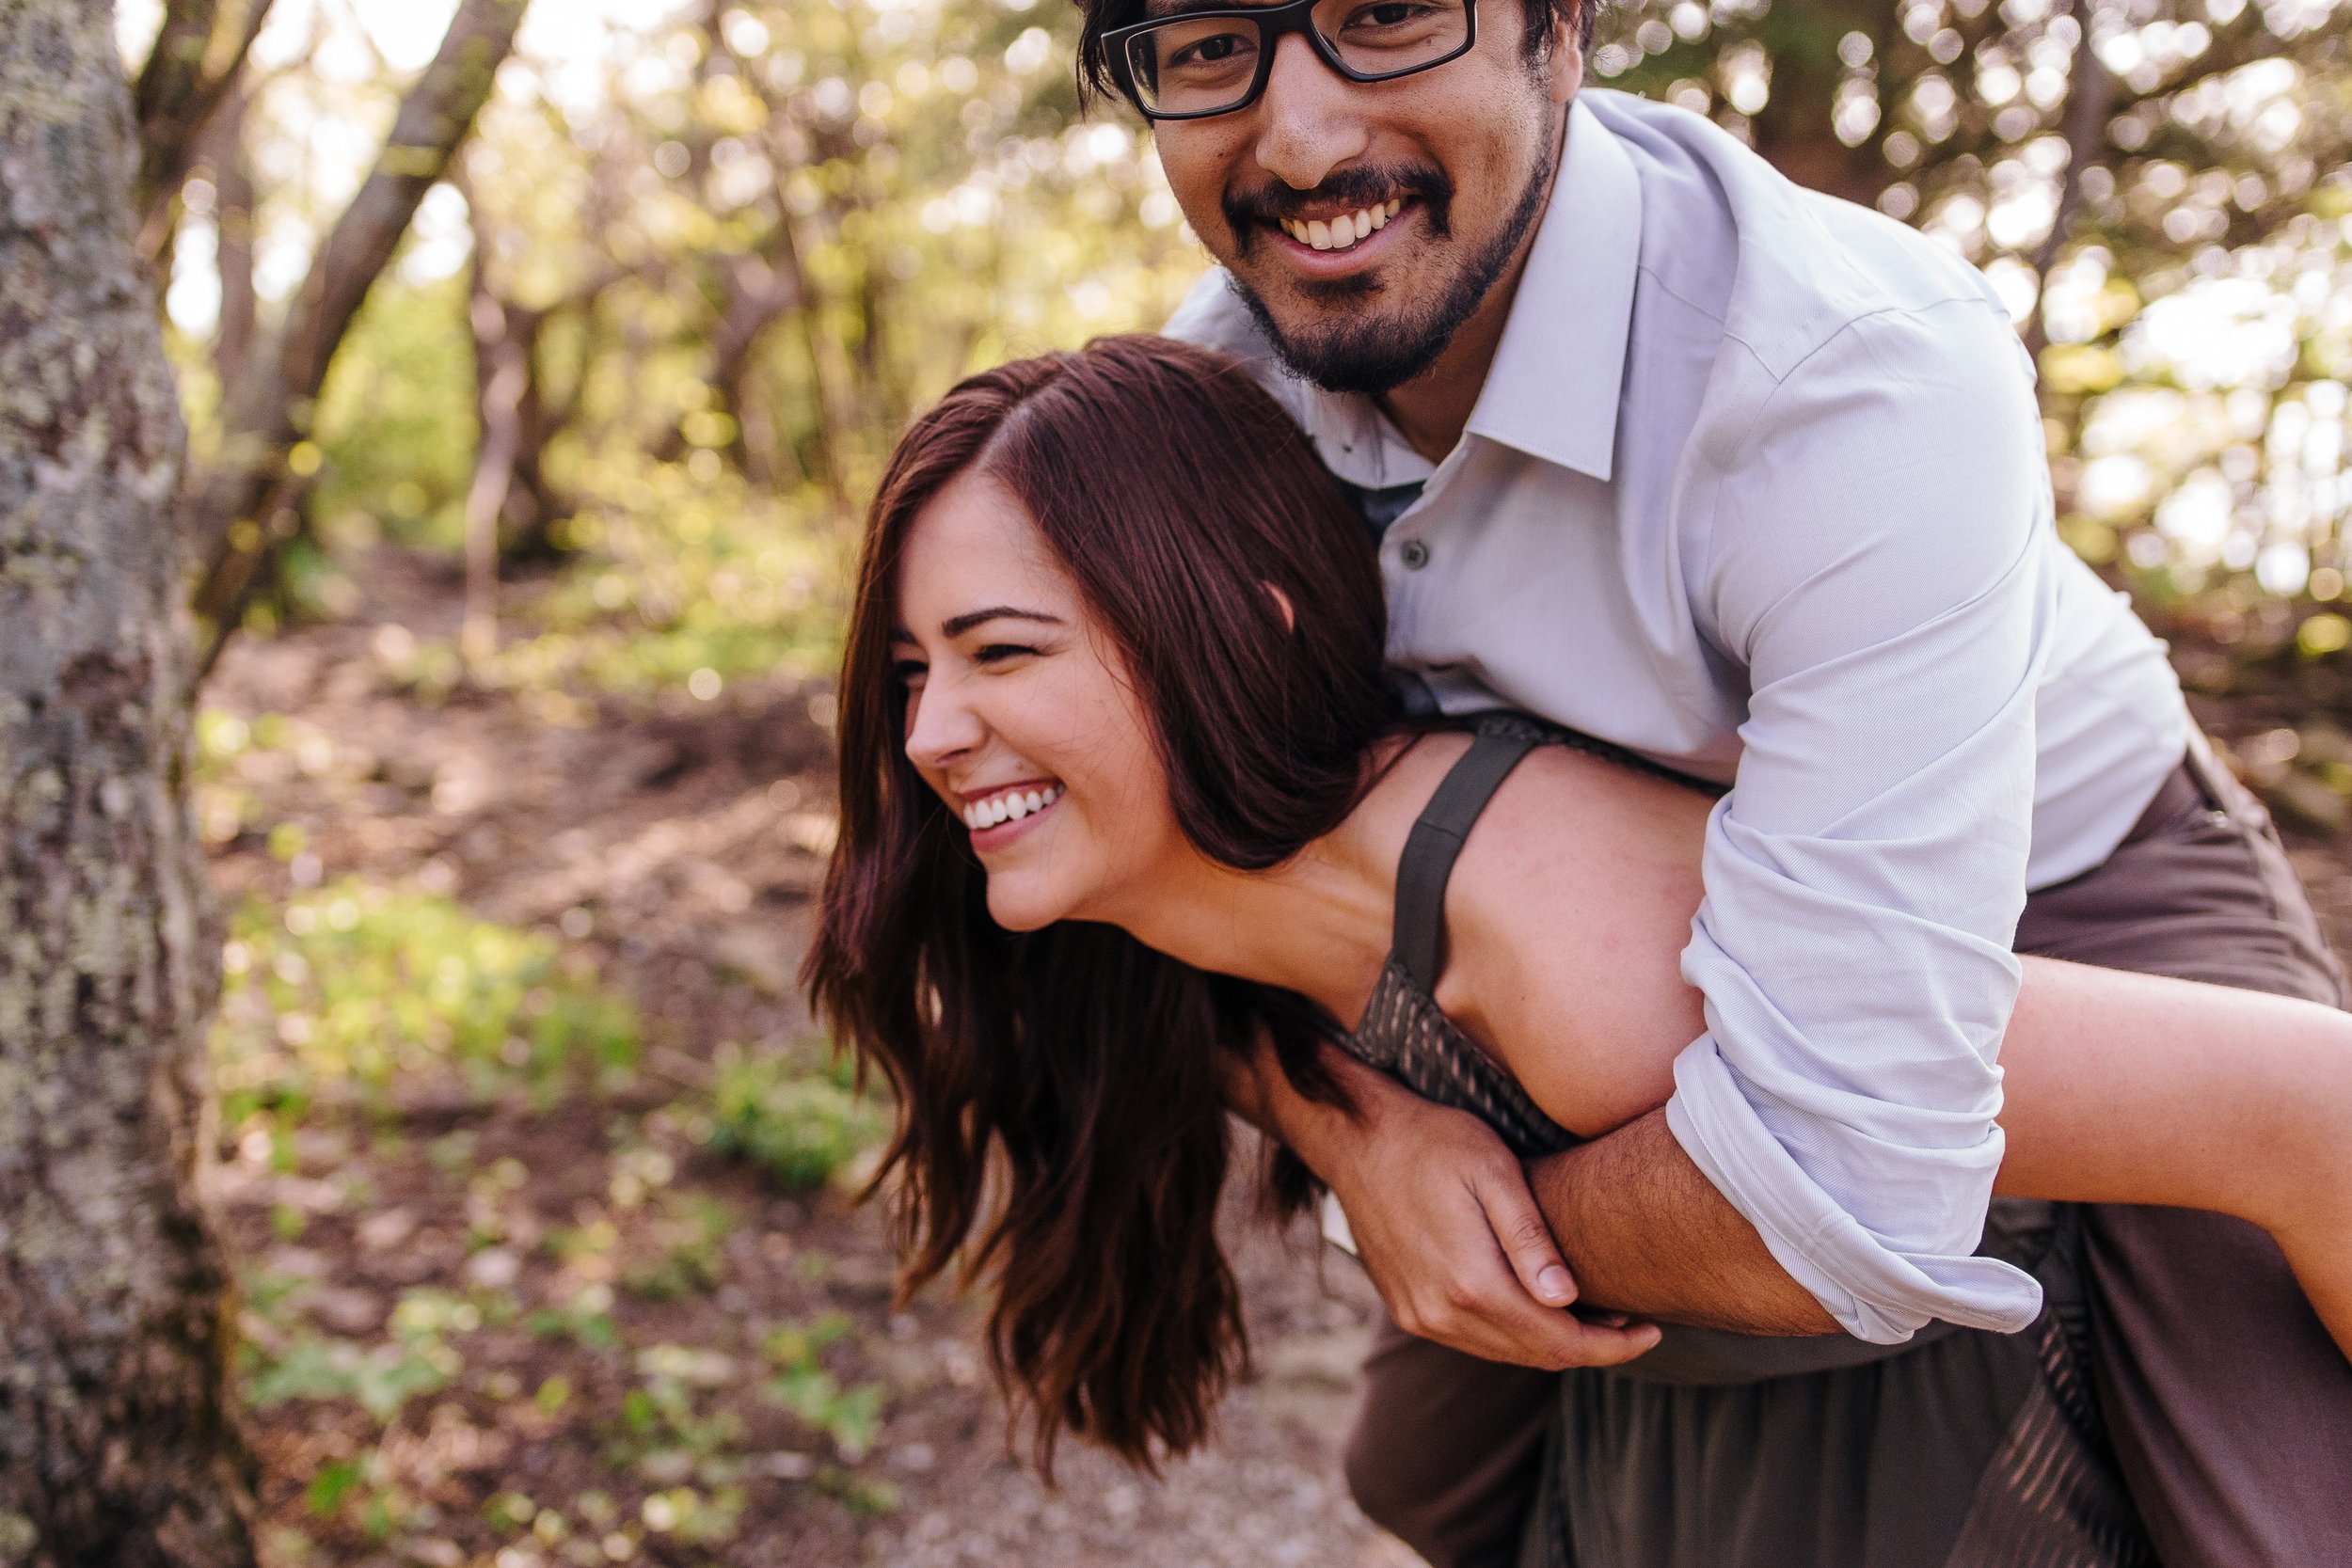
<point x="1341" y="232"/>
<point x="1009" y="807"/>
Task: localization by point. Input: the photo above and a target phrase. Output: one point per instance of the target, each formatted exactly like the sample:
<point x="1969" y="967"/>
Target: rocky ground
<point x="513" y="1328"/>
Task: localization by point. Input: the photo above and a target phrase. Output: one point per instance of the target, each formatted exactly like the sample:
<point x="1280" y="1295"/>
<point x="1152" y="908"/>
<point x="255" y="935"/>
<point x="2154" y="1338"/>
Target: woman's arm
<point x="2134" y="1088"/>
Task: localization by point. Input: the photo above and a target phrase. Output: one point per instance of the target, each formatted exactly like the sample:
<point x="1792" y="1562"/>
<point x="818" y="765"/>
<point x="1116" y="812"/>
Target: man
<point x="1750" y="482"/>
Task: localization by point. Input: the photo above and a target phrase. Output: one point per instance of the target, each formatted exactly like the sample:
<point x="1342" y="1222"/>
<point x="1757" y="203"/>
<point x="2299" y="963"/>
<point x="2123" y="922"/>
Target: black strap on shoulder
<point x="1423" y="871"/>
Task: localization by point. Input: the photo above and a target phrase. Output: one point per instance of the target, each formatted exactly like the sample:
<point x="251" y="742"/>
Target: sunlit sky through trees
<point x="925" y="165"/>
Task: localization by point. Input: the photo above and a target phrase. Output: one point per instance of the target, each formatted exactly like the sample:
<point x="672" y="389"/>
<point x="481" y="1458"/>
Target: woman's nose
<point x="941" y="725"/>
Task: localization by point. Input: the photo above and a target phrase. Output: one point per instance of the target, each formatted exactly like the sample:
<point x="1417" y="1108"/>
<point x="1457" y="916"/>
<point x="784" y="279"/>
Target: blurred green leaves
<point x="801" y="1128"/>
<point x="354" y="986"/>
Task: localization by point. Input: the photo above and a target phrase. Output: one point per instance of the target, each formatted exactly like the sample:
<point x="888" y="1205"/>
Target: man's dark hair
<point x="1097" y="80"/>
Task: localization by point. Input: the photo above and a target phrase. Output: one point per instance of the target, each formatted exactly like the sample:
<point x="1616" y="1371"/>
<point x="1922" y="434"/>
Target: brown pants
<point x="2229" y="1408"/>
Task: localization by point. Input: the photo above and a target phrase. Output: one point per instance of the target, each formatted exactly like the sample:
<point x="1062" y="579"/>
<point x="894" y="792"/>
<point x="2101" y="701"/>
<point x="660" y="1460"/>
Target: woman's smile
<point x="1002" y="814"/>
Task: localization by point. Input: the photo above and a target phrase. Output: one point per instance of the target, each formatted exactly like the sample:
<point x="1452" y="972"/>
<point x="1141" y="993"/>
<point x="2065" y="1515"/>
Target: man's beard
<point x="1374" y="356"/>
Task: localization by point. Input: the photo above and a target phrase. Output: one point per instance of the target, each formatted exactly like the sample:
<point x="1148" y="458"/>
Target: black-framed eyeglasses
<point x="1200" y="63"/>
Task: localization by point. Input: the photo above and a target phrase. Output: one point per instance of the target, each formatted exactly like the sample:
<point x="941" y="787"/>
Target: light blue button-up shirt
<point x="1755" y="486"/>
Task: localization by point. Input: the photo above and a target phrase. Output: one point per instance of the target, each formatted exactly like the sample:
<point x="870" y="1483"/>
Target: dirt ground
<point x="675" y="841"/>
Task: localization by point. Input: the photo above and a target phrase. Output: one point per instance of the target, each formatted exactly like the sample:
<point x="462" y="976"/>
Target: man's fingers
<point x="1519" y="1229"/>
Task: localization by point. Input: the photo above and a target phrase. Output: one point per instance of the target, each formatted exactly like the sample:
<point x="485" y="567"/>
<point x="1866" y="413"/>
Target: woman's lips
<point x="1004" y="815"/>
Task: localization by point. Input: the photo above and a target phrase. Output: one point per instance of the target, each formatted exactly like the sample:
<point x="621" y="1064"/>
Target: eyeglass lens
<point x="1200" y="65"/>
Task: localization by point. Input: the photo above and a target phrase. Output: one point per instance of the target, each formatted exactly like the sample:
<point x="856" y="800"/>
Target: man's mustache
<point x="1272" y="202"/>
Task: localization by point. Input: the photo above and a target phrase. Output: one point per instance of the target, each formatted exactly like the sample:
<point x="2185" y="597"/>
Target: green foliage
<point x="801" y="1128"/>
<point x="868" y="1497"/>
<point x="327" y="1489"/>
<point x="586" y="1321"/>
<point x="395" y="421"/>
<point x="689" y="1263"/>
<point x="381" y="1378"/>
<point x="666" y="1440"/>
<point x="354" y="985"/>
<point x="678" y="574"/>
<point x="850" y="1415"/>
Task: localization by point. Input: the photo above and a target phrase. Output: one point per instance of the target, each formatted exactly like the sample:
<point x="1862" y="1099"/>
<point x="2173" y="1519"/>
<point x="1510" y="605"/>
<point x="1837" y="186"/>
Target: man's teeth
<point x="1341" y="232"/>
<point x="1009" y="807"/>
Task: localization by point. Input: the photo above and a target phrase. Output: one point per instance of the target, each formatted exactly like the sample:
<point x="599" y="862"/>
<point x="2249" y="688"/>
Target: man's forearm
<point x="1642" y="1229"/>
<point x="1646" y="1232"/>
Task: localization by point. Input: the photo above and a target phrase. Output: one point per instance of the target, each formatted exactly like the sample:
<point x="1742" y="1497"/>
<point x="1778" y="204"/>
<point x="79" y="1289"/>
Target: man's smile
<point x="1345" y="230"/>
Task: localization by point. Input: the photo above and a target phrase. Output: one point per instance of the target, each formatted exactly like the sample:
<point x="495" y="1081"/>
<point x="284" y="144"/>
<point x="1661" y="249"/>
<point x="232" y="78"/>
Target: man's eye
<point x="1215" y="49"/>
<point x="1394" y="14"/>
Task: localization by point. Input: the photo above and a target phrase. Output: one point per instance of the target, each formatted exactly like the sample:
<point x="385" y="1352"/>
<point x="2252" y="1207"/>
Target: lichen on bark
<point x="116" y="1445"/>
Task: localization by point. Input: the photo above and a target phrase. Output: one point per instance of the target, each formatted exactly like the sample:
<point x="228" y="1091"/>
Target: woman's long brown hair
<point x="1060" y="1119"/>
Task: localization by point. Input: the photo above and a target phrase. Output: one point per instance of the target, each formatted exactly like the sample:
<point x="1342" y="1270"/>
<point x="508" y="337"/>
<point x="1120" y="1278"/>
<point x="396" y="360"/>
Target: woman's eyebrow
<point x="962" y="624"/>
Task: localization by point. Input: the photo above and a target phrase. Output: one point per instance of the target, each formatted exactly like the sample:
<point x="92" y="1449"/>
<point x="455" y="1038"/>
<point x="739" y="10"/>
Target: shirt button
<point x="1414" y="553"/>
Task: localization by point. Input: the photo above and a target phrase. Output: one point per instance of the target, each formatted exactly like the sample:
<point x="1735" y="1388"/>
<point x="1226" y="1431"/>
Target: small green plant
<point x="697" y="1518"/>
<point x="331" y="1486"/>
<point x="852" y="1416"/>
<point x="354" y="985"/>
<point x="868" y="1497"/>
<point x="689" y="1263"/>
<point x="359" y="1485"/>
<point x="381" y="1378"/>
<point x="586" y="1321"/>
<point x="801" y="1128"/>
<point x="660" y="1433"/>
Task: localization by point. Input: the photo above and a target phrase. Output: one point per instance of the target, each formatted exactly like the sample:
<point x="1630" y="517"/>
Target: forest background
<point x="536" y="361"/>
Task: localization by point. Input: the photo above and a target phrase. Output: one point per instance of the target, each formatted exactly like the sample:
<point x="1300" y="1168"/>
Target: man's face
<point x="1447" y="169"/>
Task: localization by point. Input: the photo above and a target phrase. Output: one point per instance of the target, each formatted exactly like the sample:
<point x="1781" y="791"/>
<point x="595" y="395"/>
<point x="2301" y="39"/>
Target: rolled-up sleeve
<point x="1877" y="563"/>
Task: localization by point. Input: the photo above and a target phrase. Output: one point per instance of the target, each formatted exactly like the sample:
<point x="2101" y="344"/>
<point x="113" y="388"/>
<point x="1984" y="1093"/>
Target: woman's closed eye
<point x="999" y="653"/>
<point x="908" y="673"/>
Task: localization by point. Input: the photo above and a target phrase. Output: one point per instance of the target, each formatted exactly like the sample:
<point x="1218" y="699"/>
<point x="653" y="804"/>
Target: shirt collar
<point x="1552" y="391"/>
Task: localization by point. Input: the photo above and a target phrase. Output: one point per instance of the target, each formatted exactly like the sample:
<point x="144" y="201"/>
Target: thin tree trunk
<point x="760" y="288"/>
<point x="2089" y="94"/>
<point x="485" y="500"/>
<point x="199" y="53"/>
<point x="117" y="1442"/>
<point x="233" y="221"/>
<point x="270" y="408"/>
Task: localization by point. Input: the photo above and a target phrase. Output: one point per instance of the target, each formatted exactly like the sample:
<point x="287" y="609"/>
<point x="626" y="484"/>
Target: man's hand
<point x="1444" y="1221"/>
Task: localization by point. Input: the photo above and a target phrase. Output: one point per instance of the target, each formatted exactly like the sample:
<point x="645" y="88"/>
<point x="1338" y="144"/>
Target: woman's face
<point x="1021" y="714"/>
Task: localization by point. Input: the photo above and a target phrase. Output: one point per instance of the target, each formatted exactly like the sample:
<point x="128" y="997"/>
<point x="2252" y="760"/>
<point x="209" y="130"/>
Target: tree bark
<point x="233" y="222"/>
<point x="199" y="53"/>
<point x="270" y="408"/>
<point x="117" y="1442"/>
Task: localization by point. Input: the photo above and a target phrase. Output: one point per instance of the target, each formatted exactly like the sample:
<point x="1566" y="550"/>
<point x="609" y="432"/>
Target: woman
<point x="1124" y="791"/>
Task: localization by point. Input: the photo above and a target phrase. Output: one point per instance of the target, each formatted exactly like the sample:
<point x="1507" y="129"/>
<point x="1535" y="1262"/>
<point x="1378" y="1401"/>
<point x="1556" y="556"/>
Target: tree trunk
<point x="117" y="1444"/>
<point x="233" y="221"/>
<point x="270" y="408"/>
<point x="511" y="408"/>
<point x="199" y="53"/>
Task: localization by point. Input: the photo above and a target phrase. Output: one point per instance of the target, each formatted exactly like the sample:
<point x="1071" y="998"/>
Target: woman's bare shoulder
<point x="1568" y="915"/>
